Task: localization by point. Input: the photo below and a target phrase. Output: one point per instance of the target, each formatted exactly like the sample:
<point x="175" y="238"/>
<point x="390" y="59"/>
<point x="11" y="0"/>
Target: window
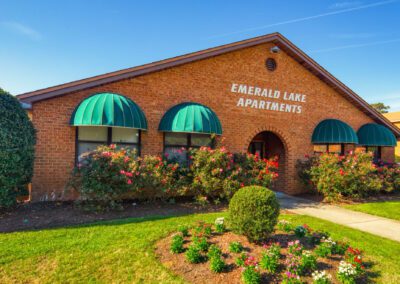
<point x="176" y="145"/>
<point x="376" y="150"/>
<point x="90" y="137"/>
<point x="329" y="148"/>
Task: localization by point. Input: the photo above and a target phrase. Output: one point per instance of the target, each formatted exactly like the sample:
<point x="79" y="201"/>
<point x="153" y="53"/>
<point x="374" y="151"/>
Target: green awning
<point x="333" y="131"/>
<point x="108" y="109"/>
<point x="190" y="117"/>
<point x="372" y="134"/>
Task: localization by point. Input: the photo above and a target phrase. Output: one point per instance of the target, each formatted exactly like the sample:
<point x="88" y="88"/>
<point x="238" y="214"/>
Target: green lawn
<point x="122" y="251"/>
<point x="388" y="209"/>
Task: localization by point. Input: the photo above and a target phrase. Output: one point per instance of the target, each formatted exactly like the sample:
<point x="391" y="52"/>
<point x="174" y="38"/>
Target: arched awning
<point x="190" y="118"/>
<point x="108" y="109"/>
<point x="372" y="134"/>
<point x="333" y="131"/>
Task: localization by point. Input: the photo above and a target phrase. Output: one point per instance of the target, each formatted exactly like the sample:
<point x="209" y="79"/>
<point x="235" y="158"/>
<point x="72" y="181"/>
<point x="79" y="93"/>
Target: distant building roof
<point x="393" y="116"/>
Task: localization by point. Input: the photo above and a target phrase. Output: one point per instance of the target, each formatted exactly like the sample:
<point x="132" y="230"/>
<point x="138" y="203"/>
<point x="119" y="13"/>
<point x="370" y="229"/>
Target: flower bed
<point x="200" y="254"/>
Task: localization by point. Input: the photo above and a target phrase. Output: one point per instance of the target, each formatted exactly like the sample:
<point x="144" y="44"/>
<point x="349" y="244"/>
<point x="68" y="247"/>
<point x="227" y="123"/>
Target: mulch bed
<point x="33" y="216"/>
<point x="201" y="273"/>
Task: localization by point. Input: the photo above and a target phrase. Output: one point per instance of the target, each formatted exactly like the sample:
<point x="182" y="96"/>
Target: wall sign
<point x="268" y="99"/>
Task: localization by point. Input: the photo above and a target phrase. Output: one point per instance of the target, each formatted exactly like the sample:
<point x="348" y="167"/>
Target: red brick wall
<point x="207" y="82"/>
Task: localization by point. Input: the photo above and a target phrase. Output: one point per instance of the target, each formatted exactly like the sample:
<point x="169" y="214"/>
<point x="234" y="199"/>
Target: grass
<point x="388" y="209"/>
<point x="122" y="251"/>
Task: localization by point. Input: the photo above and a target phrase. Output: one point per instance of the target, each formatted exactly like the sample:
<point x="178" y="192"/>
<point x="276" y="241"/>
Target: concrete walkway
<point x="364" y="222"/>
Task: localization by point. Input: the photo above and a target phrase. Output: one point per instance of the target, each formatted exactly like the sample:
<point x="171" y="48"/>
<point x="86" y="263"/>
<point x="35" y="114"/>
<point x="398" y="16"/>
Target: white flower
<point x="347" y="269"/>
<point x="284" y="222"/>
<point x="328" y="240"/>
<point x="219" y="221"/>
<point x="320" y="275"/>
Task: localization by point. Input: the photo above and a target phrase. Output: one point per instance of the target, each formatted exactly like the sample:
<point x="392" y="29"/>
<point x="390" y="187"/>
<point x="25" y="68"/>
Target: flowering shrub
<point x="321" y="277"/>
<point x="347" y="273"/>
<point x="351" y="175"/>
<point x="105" y="176"/>
<point x="295" y="247"/>
<point x="308" y="262"/>
<point x="326" y="247"/>
<point x="354" y="256"/>
<point x="251" y="273"/>
<point x="290" y="278"/>
<point x="217" y="173"/>
<point x="292" y="263"/>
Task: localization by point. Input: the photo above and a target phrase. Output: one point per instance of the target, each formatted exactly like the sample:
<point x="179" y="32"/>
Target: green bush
<point x="217" y="173"/>
<point x="214" y="251"/>
<point x="193" y="254"/>
<point x="253" y="212"/>
<point x="17" y="142"/>
<point x="251" y="275"/>
<point x="177" y="244"/>
<point x="235" y="247"/>
<point x="217" y="264"/>
<point x="351" y="175"/>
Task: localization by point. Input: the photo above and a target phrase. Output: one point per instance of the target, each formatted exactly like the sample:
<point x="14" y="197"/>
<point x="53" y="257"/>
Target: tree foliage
<point x="381" y="107"/>
<point x="18" y="139"/>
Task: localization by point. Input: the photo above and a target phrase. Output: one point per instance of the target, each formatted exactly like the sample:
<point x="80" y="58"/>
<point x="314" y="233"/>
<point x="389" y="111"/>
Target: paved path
<point x="364" y="222"/>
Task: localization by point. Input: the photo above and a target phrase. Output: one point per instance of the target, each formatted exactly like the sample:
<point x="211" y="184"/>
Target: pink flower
<point x="126" y="159"/>
<point x="112" y="146"/>
<point x="129" y="181"/>
<point x="122" y="172"/>
<point x="221" y="170"/>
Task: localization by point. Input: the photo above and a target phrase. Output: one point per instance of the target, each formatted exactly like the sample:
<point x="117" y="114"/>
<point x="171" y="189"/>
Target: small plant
<point x="316" y="237"/>
<point x="295" y="248"/>
<point x="214" y="251"/>
<point x="291" y="278"/>
<point x="285" y="226"/>
<point x="269" y="262"/>
<point x="184" y="230"/>
<point x="300" y="231"/>
<point x="251" y="275"/>
<point x="220" y="225"/>
<point x="292" y="263"/>
<point x="321" y="277"/>
<point x="347" y="273"/>
<point x="235" y="247"/>
<point x="308" y="262"/>
<point x="270" y="258"/>
<point x="241" y="259"/>
<point x="340" y="248"/>
<point x="326" y="247"/>
<point x="203" y="229"/>
<point x="193" y="254"/>
<point x="354" y="256"/>
<point x="201" y="243"/>
<point x="217" y="264"/>
<point x="177" y="244"/>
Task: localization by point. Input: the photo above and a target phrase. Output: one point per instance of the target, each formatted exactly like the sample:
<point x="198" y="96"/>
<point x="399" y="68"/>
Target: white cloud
<point x="303" y="19"/>
<point x="355" y="46"/>
<point x="352" y="35"/>
<point x="22" y="30"/>
<point x="345" y="5"/>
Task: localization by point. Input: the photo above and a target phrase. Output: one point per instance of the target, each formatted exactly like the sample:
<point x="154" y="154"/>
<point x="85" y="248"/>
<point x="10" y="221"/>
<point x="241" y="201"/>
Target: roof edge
<point x="277" y="38"/>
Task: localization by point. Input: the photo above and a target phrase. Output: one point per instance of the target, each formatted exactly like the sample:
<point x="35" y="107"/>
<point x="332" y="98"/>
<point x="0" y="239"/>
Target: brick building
<point x="263" y="95"/>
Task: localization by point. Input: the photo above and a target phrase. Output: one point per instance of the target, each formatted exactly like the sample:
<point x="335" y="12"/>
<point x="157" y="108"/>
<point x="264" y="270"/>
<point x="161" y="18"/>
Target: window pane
<point x="320" y="148"/>
<point x="201" y="140"/>
<point x="92" y="133"/>
<point x="175" y="138"/>
<point x="129" y="146"/>
<point x="176" y="154"/>
<point x="335" y="148"/>
<point x="84" y="148"/>
<point x="125" y="135"/>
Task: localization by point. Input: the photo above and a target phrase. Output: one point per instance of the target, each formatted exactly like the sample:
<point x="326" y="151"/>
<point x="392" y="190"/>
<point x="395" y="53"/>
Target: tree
<point x="18" y="140"/>
<point x="381" y="107"/>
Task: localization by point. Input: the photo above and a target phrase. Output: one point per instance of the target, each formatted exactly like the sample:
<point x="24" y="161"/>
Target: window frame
<point x="188" y="144"/>
<point x="379" y="152"/>
<point x="327" y="147"/>
<point x="108" y="142"/>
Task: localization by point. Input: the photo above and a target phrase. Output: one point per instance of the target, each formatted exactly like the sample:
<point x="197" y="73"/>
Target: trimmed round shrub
<point x="17" y="137"/>
<point x="253" y="212"/>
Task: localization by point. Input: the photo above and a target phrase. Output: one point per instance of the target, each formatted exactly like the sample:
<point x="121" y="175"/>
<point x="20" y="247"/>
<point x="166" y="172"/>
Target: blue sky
<point x="45" y="43"/>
